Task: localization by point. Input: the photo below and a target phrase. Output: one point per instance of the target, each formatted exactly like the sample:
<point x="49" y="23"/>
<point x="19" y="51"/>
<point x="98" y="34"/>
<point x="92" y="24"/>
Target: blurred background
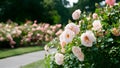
<point x="50" y="11"/>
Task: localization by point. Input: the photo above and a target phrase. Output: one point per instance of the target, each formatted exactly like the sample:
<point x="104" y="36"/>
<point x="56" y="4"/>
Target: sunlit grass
<point x="38" y="64"/>
<point x="18" y="51"/>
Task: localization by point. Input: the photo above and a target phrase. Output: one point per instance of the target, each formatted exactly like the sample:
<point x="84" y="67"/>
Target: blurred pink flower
<point x="116" y="32"/>
<point x="88" y="38"/>
<point x="95" y="15"/>
<point x="110" y="2"/>
<point x="97" y="25"/>
<point x="1" y="39"/>
<point x="9" y="37"/>
<point x="75" y="28"/>
<point x="59" y="32"/>
<point x="12" y="42"/>
<point x="18" y="32"/>
<point x="46" y="26"/>
<point x="33" y="29"/>
<point x="58" y="25"/>
<point x="53" y="28"/>
<point x="28" y="39"/>
<point x="76" y="14"/>
<point x="46" y="38"/>
<point x="35" y="23"/>
<point x="49" y="32"/>
<point x="78" y="53"/>
<point x="30" y="34"/>
<point x="38" y="35"/>
<point x="59" y="58"/>
<point x="40" y="28"/>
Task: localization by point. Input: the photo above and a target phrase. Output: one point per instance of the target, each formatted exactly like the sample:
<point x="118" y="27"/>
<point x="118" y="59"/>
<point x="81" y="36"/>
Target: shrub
<point x="27" y="34"/>
<point x="97" y="44"/>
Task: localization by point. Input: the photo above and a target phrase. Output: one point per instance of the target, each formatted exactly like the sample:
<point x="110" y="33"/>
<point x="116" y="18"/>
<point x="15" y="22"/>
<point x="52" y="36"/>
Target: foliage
<point x="22" y="10"/>
<point x="103" y="53"/>
<point x="27" y="34"/>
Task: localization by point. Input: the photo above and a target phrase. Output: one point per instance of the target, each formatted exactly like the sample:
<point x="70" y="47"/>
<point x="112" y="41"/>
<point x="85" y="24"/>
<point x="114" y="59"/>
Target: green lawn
<point x="17" y="51"/>
<point x="38" y="64"/>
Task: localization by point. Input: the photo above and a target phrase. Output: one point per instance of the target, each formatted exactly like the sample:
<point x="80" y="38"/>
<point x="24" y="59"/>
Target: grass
<point x="38" y="64"/>
<point x="18" y="51"/>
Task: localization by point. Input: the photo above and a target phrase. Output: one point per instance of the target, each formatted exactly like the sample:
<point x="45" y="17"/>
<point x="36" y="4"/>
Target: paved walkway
<point x="21" y="60"/>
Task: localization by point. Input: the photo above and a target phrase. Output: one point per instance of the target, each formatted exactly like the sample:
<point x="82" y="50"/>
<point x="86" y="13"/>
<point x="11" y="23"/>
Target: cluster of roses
<point x="69" y="33"/>
<point x="87" y="38"/>
<point x="28" y="33"/>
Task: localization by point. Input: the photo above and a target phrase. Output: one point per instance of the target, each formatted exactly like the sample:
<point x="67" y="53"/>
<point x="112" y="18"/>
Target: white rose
<point x="66" y="36"/>
<point x="95" y="16"/>
<point x="76" y="14"/>
<point x="59" y="58"/>
<point x="96" y="25"/>
<point x="88" y="38"/>
<point x="75" y="28"/>
<point x="78" y="53"/>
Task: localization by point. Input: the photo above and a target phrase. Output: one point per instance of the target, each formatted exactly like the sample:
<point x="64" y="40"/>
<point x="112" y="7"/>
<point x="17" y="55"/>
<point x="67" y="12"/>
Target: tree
<point x="21" y="10"/>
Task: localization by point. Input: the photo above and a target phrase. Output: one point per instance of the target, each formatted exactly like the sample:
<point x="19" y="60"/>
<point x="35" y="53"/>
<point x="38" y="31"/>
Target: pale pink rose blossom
<point x="76" y="14"/>
<point x="75" y="28"/>
<point x="110" y="2"/>
<point x="97" y="25"/>
<point x="59" y="58"/>
<point x="78" y="53"/>
<point x="67" y="36"/>
<point x="95" y="15"/>
<point x="88" y="38"/>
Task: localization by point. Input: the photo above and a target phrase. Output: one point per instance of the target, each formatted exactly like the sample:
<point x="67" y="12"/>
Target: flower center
<point x="67" y="35"/>
<point x="87" y="39"/>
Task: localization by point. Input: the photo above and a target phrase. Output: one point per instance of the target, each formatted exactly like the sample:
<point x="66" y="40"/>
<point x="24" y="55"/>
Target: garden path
<point x="21" y="60"/>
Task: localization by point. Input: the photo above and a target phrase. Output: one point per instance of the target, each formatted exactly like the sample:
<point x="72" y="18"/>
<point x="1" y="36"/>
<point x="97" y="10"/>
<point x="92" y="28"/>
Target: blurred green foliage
<point x="50" y="11"/>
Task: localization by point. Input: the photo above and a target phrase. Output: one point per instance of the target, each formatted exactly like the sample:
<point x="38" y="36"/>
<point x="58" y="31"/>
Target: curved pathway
<point x="21" y="60"/>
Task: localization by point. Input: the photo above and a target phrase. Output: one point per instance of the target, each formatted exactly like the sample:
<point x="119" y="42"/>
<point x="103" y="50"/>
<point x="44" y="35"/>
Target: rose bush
<point x="27" y="34"/>
<point x="95" y="44"/>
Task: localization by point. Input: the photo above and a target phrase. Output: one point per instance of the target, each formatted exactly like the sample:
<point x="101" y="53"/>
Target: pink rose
<point x="110" y="2"/>
<point x="95" y="16"/>
<point x="76" y="14"/>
